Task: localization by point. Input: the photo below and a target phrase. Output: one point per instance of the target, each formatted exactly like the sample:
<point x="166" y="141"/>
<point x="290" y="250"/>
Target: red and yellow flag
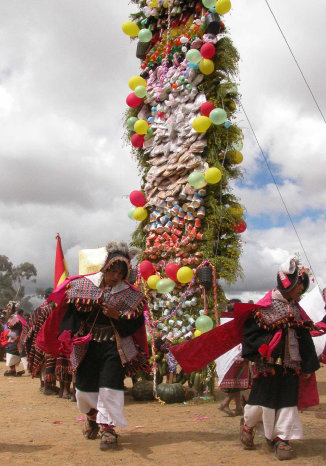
<point x="60" y="268"/>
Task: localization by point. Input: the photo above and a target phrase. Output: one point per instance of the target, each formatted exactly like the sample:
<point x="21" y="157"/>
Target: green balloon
<point x="238" y="145"/>
<point x="197" y="180"/>
<point x="204" y="324"/>
<point x="218" y="116"/>
<point x="131" y="123"/>
<point x="165" y="285"/>
<point x="140" y="91"/>
<point x="145" y="35"/>
<point x="194" y="56"/>
<point x="209" y="3"/>
<point x="131" y="213"/>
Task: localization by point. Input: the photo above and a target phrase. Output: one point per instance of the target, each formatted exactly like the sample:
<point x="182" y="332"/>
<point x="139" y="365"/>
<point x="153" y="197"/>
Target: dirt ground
<point x="36" y="429"/>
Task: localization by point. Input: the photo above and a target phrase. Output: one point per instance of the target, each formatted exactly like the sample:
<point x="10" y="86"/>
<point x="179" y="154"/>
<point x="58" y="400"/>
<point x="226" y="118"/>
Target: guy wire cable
<point x="279" y="192"/>
<point x="296" y="61"/>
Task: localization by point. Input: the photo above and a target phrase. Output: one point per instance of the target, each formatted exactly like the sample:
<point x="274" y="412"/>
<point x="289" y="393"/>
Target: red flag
<point x="60" y="268"/>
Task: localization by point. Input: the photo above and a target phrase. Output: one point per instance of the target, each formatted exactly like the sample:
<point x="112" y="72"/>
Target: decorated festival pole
<point x="181" y="125"/>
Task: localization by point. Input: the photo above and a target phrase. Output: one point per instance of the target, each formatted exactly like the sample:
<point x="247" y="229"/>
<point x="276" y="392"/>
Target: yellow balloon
<point x="197" y="333"/>
<point x="141" y="126"/>
<point x="153" y="4"/>
<point x="140" y="213"/>
<point x="213" y="175"/>
<point x="152" y="281"/>
<point x="185" y="274"/>
<point x="206" y="66"/>
<point x="130" y="28"/>
<point x="236" y="210"/>
<point x="235" y="156"/>
<point x="222" y="6"/>
<point x="135" y="81"/>
<point x="201" y="124"/>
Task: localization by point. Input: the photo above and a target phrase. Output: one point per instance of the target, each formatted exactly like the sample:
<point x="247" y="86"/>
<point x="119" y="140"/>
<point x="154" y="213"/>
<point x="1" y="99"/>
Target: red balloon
<point x="171" y="271"/>
<point x="240" y="227"/>
<point x="146" y="269"/>
<point x="137" y="198"/>
<point x="207" y="50"/>
<point x="133" y="101"/>
<point x="137" y="140"/>
<point x="206" y="108"/>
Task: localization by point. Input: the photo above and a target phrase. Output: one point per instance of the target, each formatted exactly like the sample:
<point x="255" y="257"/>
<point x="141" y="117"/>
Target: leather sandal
<point x="282" y="449"/>
<point x="109" y="439"/>
<point x="90" y="429"/>
<point x="247" y="435"/>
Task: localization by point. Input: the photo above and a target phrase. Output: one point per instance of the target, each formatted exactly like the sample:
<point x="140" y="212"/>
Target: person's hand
<point x="306" y="376"/>
<point x="109" y="311"/>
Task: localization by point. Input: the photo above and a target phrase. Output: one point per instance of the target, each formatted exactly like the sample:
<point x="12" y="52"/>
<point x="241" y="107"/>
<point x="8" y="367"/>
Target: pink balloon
<point x="137" y="140"/>
<point x="171" y="271"/>
<point x="146" y="269"/>
<point x="137" y="198"/>
<point x="133" y="101"/>
<point x="206" y="108"/>
<point x="207" y="50"/>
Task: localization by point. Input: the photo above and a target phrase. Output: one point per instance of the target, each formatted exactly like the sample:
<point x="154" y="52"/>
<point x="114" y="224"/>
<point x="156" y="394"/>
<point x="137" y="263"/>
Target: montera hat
<point x="288" y="275"/>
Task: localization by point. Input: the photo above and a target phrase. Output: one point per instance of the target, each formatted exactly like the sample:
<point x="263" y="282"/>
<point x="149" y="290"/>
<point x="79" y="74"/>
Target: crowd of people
<point x="89" y="335"/>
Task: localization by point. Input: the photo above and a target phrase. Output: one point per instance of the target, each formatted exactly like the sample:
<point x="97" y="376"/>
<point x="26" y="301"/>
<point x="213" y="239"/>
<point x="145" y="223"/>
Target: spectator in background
<point x="232" y="371"/>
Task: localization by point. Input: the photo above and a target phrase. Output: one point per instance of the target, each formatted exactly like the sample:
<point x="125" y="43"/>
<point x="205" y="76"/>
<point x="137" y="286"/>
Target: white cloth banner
<point x="314" y="306"/>
<point x="224" y="362"/>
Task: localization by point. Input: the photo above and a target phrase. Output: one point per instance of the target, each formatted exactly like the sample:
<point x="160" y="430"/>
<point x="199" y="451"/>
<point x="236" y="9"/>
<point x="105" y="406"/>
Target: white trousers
<point x="283" y="423"/>
<point x="14" y="360"/>
<point x="108" y="402"/>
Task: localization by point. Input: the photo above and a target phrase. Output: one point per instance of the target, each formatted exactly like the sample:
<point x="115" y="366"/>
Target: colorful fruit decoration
<point x="180" y="120"/>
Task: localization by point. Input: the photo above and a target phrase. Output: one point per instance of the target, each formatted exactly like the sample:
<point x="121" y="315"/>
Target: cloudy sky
<point x="64" y="70"/>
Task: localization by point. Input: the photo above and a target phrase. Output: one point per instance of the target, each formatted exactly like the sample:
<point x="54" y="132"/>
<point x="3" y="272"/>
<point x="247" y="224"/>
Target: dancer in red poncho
<point x="103" y="329"/>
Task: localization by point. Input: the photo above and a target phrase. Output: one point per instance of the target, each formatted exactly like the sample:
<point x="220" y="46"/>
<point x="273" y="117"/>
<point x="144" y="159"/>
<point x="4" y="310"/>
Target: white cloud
<point x="64" y="69"/>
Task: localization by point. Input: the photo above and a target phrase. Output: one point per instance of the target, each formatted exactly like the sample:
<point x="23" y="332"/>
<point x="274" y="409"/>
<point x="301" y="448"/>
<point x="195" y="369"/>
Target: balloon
<point x="204" y="324"/>
<point x="240" y="227"/>
<point x="213" y="175"/>
<point x="206" y="66"/>
<point x="146" y="269"/>
<point x="165" y="285"/>
<point x="207" y="50"/>
<point x="152" y="281"/>
<point x="185" y="274"/>
<point x="209" y="3"/>
<point x="218" y="116"/>
<point x="140" y="213"/>
<point x="171" y="271"/>
<point x="206" y="108"/>
<point x="133" y="101"/>
<point x="235" y="156"/>
<point x="145" y="35"/>
<point x="131" y="213"/>
<point x="141" y="127"/>
<point x="194" y="56"/>
<point x="197" y="333"/>
<point x="135" y="81"/>
<point x="238" y="145"/>
<point x="140" y="91"/>
<point x="137" y="140"/>
<point x="131" y="123"/>
<point x="130" y="28"/>
<point x="137" y="198"/>
<point x="236" y="210"/>
<point x="201" y="124"/>
<point x="222" y="6"/>
<point x="197" y="180"/>
<point x="227" y="124"/>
